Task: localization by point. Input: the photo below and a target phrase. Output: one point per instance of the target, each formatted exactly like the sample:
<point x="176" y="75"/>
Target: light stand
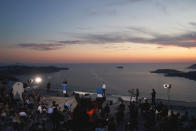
<point x="168" y="87"/>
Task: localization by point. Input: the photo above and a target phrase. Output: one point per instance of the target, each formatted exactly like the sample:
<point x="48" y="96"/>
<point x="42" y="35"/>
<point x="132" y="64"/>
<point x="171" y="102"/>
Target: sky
<point x="77" y="31"/>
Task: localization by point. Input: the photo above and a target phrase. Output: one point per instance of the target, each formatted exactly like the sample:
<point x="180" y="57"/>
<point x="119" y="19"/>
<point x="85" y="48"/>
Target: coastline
<point x="58" y="93"/>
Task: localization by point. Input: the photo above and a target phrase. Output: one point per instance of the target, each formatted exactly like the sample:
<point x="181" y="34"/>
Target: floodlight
<point x="167" y="86"/>
<point x="38" y="80"/>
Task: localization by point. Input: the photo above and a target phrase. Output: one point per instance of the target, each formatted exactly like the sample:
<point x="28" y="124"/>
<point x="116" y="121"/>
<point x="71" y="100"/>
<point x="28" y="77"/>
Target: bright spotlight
<point x="167" y="86"/>
<point x="38" y="80"/>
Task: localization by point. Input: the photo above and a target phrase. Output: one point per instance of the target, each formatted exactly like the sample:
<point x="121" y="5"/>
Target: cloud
<point x="187" y="39"/>
<point x="84" y="28"/>
<point x="122" y="2"/>
<point x="184" y="40"/>
<point x="47" y="47"/>
<point x="70" y="42"/>
<point x="162" y="7"/>
<point x="106" y="12"/>
<point x="143" y="31"/>
<point x="40" y="46"/>
<point x="108" y="8"/>
<point x="193" y="24"/>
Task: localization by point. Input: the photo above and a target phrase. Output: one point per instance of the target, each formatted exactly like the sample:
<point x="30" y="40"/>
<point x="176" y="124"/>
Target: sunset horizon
<point x="98" y="65"/>
<point x="127" y="31"/>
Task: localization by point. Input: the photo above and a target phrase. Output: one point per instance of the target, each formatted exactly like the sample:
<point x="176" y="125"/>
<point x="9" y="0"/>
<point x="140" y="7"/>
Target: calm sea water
<point x="88" y="77"/>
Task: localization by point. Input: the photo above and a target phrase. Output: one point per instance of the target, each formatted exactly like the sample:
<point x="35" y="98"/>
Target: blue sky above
<point x="53" y="24"/>
<point x="32" y="21"/>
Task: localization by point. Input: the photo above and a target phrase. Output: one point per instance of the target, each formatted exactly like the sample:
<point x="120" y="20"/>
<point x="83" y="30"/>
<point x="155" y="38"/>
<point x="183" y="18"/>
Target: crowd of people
<point x="36" y="113"/>
<point x="158" y="117"/>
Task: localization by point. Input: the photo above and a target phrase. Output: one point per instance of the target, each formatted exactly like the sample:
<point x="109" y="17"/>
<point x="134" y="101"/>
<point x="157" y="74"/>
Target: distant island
<point x="192" y="66"/>
<point x="175" y="73"/>
<point x="120" y="67"/>
<point x="26" y="70"/>
<point x="5" y="78"/>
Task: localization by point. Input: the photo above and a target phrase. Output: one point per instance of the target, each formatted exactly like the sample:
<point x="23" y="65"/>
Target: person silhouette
<point x="137" y="94"/>
<point x="103" y="89"/>
<point x="48" y="86"/>
<point x="64" y="87"/>
<point x="153" y="96"/>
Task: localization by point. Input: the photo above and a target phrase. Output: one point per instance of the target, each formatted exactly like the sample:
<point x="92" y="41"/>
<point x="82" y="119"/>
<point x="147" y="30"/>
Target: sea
<point x="88" y="77"/>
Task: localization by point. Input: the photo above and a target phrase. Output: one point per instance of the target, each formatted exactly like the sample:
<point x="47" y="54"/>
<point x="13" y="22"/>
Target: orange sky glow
<point x="121" y="52"/>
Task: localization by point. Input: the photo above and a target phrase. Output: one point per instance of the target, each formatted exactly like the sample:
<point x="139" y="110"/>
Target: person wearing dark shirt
<point x="48" y="86"/>
<point x="137" y="94"/>
<point x="153" y="96"/>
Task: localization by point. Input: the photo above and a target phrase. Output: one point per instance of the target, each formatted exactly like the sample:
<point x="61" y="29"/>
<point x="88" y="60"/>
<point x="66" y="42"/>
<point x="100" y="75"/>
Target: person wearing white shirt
<point x="23" y="114"/>
<point x="40" y="109"/>
<point x="103" y="88"/>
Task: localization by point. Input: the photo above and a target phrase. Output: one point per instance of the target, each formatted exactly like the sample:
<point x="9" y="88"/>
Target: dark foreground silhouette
<point x="36" y="114"/>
